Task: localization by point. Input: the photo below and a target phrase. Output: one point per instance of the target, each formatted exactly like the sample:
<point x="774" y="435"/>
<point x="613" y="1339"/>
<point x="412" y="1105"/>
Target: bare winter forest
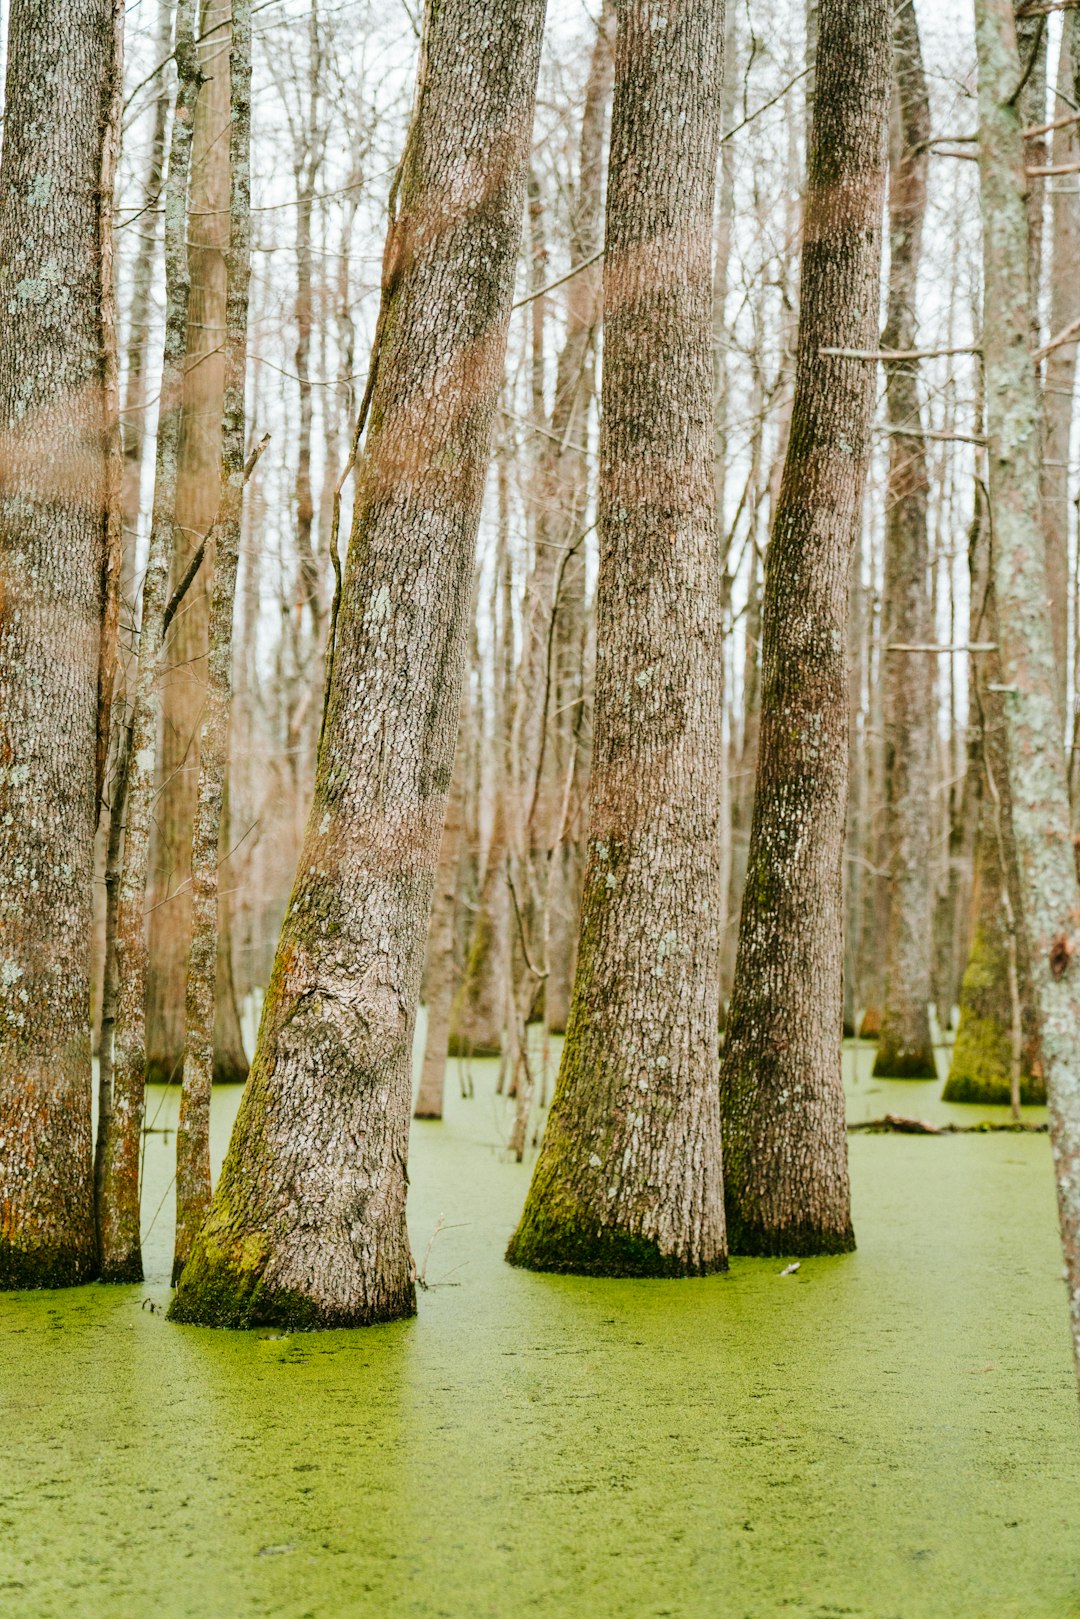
<point x="540" y="723"/>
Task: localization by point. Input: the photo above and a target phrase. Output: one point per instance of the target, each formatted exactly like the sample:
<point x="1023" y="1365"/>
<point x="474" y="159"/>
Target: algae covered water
<point x="890" y="1434"/>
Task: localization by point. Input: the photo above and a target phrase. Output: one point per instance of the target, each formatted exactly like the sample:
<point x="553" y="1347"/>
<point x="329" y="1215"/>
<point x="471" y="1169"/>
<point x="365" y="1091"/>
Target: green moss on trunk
<point x="894" y="1062"/>
<point x="22" y="1268"/>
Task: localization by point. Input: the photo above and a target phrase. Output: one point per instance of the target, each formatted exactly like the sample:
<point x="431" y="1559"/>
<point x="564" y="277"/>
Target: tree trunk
<point x="1040" y="803"/>
<point x="440" y="970"/>
<point x="785" y="1145"/>
<point x="197" y="497"/>
<point x="1060" y="376"/>
<point x="118" y="1172"/>
<point x="61" y="76"/>
<point x="629" y="1178"/>
<point x="307" y="1226"/>
<point x="905" y="1049"/>
<point x="193" y="1133"/>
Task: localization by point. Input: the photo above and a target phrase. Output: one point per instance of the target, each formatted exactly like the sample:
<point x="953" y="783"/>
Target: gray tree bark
<point x="60" y="89"/>
<point x="307" y="1226"/>
<point x="121" y="1137"/>
<point x="905" y="1049"/>
<point x="785" y="1147"/>
<point x="193" y="1133"/>
<point x="197" y="497"/>
<point x="629" y="1176"/>
<point x="1040" y="803"/>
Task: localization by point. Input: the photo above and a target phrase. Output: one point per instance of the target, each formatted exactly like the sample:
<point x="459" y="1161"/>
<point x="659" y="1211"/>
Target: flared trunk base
<point x="124" y="1268"/>
<point x="26" y="1268"/>
<point x="894" y="1061"/>
<point x="220" y="1294"/>
<point x="802" y="1241"/>
<point x="581" y="1249"/>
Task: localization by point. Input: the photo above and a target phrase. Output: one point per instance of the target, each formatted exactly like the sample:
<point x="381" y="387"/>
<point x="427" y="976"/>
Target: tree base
<point x="579" y="1249"/>
<point x="127" y="1268"/>
<point x="213" y="1292"/>
<point x="428" y="1113"/>
<point x="893" y="1063"/>
<point x="751" y="1241"/>
<point x="457" y="1047"/>
<point x="24" y="1269"/>
<point x="229" y="1069"/>
<point x="993" y="1090"/>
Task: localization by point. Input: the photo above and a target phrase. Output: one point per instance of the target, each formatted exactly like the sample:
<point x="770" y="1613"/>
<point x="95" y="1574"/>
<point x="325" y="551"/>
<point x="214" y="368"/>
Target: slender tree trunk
<point x="307" y="1226"/>
<point x="54" y="557"/>
<point x="193" y="1134"/>
<point x="440" y="971"/>
<point x="785" y="1146"/>
<point x="905" y="1049"/>
<point x="629" y="1178"/>
<point x="197" y="497"/>
<point x="1040" y="803"/>
<point x="118" y="1172"/>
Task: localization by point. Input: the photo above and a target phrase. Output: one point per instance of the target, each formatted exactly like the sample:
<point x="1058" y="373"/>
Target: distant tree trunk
<point x="61" y="79"/>
<point x="307" y="1226"/>
<point x="905" y="1049"/>
<point x="193" y="1133"/>
<point x="785" y="1147"/>
<point x="440" y="971"/>
<point x="121" y="1140"/>
<point x="197" y="496"/>
<point x="1032" y="715"/>
<point x="629" y="1177"/>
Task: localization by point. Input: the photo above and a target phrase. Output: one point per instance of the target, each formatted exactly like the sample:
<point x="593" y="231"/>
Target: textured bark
<point x="197" y="496"/>
<point x="1060" y="375"/>
<point x="629" y="1177"/>
<point x="785" y="1147"/>
<point x="193" y="1133"/>
<point x="982" y="1061"/>
<point x="53" y="555"/>
<point x="1040" y="804"/>
<point x="905" y="1049"/>
<point x="118" y="1171"/>
<point x="307" y="1226"/>
<point x="440" y="970"/>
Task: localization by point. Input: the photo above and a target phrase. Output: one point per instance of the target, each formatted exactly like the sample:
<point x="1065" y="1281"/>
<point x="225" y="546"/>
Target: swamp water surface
<point x="888" y="1435"/>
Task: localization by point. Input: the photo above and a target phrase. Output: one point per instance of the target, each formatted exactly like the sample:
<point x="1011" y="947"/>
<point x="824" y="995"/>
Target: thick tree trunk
<point x="193" y="1134"/>
<point x="118" y="1170"/>
<point x="1060" y="376"/>
<point x="307" y="1226"/>
<point x="53" y="555"/>
<point x="905" y="1049"/>
<point x="785" y="1146"/>
<point x="197" y="497"/>
<point x="1040" y="804"/>
<point x="629" y="1177"/>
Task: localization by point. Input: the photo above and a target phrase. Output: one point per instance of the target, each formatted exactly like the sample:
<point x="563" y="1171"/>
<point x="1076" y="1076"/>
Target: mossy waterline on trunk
<point x="629" y="1181"/>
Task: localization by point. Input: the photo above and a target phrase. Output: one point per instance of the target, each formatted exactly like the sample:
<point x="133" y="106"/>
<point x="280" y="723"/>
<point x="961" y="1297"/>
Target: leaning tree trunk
<point x="1040" y="802"/>
<point x="307" y="1226"/>
<point x="905" y="1049"/>
<point x="629" y="1178"/>
<point x="193" y="1133"/>
<point x="785" y="1147"/>
<point x="197" y="496"/>
<point x="53" y="557"/>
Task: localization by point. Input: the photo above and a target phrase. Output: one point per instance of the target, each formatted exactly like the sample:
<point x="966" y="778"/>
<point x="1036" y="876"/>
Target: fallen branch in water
<point x="900" y="1124"/>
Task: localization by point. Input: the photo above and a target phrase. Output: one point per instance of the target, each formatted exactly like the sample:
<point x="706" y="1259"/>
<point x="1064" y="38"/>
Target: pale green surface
<point x="888" y="1435"/>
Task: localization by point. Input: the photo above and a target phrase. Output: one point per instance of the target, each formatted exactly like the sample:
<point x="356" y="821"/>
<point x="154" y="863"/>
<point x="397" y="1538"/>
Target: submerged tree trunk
<point x="118" y="1174"/>
<point x="785" y="1147"/>
<point x="53" y="557"/>
<point x="905" y="1049"/>
<point x="1040" y="803"/>
<point x="629" y="1177"/>
<point x="193" y="1133"/>
<point x="307" y="1226"/>
<point x="197" y="497"/>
